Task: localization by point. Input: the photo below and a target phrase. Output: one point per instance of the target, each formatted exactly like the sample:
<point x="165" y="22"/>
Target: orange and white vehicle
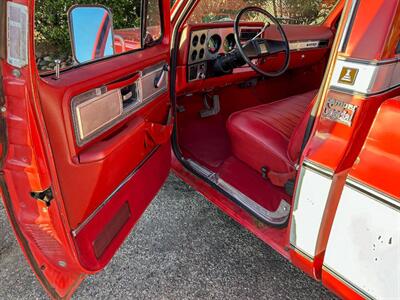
<point x="285" y="121"/>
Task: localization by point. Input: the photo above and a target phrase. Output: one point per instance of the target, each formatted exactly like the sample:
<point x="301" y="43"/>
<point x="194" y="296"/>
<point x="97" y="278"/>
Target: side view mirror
<point x="91" y="30"/>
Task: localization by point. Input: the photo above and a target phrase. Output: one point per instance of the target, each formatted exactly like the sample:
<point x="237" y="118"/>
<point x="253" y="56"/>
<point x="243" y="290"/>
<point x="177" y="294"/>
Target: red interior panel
<point x="91" y="173"/>
<point x="250" y="183"/>
<point x="206" y="139"/>
<point x="214" y="141"/>
<point x="132" y="199"/>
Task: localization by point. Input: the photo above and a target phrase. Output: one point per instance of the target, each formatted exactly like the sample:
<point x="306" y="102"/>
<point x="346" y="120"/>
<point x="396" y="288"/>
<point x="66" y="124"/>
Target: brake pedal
<point x="180" y="108"/>
<point x="212" y="110"/>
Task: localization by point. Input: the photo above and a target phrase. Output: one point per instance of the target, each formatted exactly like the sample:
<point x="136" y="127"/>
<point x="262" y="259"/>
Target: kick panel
<point x="111" y="230"/>
<point x="102" y="233"/>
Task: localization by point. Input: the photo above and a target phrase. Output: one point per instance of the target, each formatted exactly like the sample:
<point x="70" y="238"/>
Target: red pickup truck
<point x="283" y="117"/>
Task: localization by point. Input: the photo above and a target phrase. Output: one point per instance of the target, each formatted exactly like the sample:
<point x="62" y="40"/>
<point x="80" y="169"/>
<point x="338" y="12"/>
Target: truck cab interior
<point x="242" y="112"/>
<point x="97" y="95"/>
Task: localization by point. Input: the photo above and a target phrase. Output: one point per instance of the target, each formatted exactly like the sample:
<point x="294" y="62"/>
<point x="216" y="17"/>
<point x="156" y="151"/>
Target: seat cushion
<point x="261" y="135"/>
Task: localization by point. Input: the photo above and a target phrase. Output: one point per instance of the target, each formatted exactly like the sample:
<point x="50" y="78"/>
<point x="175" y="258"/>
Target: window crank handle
<point x="160" y="78"/>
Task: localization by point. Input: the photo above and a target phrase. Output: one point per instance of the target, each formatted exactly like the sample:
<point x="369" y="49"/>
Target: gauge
<point x="194" y="55"/>
<point x="229" y="43"/>
<point x="195" y="41"/>
<point x="214" y="43"/>
<point x="203" y="39"/>
<point x="201" y="54"/>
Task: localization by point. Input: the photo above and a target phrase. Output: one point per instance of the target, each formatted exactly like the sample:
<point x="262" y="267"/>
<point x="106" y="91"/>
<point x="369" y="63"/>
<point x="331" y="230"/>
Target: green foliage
<point x="52" y="35"/>
<point x="305" y="11"/>
<point x="287" y="11"/>
<point x="51" y="24"/>
<point x="296" y="11"/>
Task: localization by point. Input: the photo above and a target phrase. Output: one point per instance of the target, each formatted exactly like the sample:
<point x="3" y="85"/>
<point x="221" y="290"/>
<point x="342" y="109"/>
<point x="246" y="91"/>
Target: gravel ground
<point x="183" y="248"/>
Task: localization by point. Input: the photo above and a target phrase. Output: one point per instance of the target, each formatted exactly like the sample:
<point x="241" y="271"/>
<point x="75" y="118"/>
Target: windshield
<point x="286" y="11"/>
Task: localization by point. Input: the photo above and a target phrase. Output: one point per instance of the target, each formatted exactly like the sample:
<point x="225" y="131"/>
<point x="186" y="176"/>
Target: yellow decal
<point x="348" y="75"/>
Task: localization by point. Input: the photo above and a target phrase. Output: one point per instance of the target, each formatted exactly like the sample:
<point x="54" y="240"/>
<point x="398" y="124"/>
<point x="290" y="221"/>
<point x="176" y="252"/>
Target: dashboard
<point x="206" y="45"/>
<point x="202" y="44"/>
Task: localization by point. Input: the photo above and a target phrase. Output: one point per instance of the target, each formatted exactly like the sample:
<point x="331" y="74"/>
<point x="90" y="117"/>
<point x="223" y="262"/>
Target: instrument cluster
<point x="206" y="45"/>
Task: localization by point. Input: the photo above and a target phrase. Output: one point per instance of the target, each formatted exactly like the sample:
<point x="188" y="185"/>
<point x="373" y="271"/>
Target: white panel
<point x="370" y="78"/>
<point x="308" y="211"/>
<point x="364" y="245"/>
<point x="364" y="79"/>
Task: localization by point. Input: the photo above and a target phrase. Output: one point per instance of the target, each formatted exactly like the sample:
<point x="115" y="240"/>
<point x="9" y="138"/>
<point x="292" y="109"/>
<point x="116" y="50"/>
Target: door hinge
<point x="45" y="196"/>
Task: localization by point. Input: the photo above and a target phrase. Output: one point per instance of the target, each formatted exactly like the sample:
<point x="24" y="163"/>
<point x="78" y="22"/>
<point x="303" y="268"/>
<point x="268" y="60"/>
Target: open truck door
<point x="84" y="147"/>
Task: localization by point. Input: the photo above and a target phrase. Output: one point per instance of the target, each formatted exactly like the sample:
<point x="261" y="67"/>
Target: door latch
<point x="45" y="196"/>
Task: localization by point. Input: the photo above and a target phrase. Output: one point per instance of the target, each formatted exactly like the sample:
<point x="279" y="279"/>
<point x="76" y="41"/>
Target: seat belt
<point x="289" y="185"/>
<point x="310" y="125"/>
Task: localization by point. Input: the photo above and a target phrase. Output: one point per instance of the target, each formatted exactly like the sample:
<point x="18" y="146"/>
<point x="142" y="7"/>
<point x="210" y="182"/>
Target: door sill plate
<point x="276" y="218"/>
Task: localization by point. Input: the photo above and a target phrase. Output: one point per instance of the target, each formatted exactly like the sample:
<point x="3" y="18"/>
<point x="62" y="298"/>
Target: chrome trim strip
<point x="173" y="15"/>
<point x="318" y="168"/>
<point x="76" y="231"/>
<point x="347" y="26"/>
<point x="373" y="193"/>
<point x="306" y="45"/>
<point x="346" y="282"/>
<point x="203" y="171"/>
<point x="301" y="252"/>
<point x="369" y="62"/>
<point x="278" y="217"/>
<point x="188" y="6"/>
<point x="373" y="77"/>
<point x="354" y="93"/>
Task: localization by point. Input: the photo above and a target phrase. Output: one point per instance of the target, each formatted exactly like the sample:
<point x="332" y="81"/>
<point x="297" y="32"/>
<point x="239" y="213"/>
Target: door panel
<point x="104" y="225"/>
<point x="90" y="171"/>
<point x="84" y="155"/>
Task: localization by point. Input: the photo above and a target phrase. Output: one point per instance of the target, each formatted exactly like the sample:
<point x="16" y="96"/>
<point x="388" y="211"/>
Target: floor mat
<point x="251" y="183"/>
<point x="206" y="141"/>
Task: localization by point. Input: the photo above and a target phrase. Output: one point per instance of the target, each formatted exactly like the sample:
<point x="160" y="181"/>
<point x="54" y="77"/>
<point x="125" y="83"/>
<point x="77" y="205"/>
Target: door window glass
<point x="153" y="21"/>
<point x="87" y="33"/>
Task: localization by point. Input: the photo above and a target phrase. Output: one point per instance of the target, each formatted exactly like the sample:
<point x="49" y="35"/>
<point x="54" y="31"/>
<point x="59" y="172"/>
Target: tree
<point x="51" y="24"/>
<point x="289" y="11"/>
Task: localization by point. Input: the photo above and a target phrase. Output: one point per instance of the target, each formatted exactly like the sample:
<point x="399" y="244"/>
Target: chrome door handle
<point x="160" y="78"/>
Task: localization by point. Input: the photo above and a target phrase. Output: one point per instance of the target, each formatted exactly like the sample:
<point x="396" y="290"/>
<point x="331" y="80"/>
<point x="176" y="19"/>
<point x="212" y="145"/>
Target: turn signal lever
<point x="224" y="64"/>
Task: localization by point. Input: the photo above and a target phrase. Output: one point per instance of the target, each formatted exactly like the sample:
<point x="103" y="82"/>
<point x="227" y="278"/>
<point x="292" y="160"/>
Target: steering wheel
<point x="259" y="47"/>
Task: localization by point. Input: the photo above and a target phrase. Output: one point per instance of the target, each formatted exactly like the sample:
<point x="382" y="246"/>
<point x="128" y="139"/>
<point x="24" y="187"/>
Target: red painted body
<point x="93" y="210"/>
